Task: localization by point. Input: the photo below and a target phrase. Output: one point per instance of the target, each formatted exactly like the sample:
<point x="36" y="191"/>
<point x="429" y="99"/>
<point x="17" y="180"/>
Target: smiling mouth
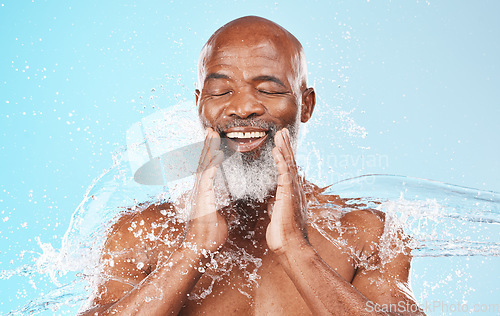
<point x="245" y="135"/>
<point x="245" y="139"/>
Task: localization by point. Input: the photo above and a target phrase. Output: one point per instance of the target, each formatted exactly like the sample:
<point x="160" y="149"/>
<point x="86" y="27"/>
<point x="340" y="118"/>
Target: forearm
<point x="323" y="289"/>
<point x="164" y="291"/>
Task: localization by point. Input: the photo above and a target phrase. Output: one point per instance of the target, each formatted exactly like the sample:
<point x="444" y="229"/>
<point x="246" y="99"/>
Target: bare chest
<point x="242" y="293"/>
<point x="255" y="286"/>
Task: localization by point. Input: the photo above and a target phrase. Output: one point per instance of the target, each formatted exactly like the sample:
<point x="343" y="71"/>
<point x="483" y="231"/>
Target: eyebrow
<point x="270" y="78"/>
<point x="215" y="75"/>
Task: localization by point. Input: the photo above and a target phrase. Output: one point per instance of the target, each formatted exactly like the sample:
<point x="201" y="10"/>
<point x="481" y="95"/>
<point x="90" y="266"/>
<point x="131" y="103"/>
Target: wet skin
<point x="251" y="70"/>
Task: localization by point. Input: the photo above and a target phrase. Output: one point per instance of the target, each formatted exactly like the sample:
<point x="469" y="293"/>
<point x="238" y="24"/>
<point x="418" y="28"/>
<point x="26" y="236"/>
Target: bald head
<point x="253" y="31"/>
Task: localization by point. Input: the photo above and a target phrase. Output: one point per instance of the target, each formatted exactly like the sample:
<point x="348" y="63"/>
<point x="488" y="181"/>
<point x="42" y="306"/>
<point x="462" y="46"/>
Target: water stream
<point x="443" y="219"/>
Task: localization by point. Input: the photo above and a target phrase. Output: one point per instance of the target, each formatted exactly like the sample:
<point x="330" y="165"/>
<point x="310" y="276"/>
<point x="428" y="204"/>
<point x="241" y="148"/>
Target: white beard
<point x="246" y="178"/>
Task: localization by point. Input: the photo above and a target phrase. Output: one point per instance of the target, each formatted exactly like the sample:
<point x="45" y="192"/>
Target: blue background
<point x="421" y="78"/>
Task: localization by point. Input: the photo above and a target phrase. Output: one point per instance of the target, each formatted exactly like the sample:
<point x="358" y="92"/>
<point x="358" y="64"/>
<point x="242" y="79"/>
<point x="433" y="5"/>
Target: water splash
<point x="445" y="220"/>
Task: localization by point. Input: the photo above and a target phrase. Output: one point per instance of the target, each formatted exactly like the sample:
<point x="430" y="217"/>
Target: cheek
<point x="209" y="113"/>
<point x="286" y="111"/>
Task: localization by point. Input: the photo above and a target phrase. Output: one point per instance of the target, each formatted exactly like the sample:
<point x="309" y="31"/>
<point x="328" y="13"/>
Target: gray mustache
<point x="247" y="123"/>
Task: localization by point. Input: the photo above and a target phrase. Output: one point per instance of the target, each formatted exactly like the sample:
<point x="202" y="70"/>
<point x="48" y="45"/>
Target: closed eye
<point x="220" y="93"/>
<point x="272" y="92"/>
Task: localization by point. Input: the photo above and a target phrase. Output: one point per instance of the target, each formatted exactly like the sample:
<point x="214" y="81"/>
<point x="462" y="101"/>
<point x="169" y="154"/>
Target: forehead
<point x="247" y="54"/>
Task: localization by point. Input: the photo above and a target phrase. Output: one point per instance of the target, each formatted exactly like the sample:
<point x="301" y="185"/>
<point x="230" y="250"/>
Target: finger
<point x="212" y="144"/>
<point x="204" y="188"/>
<point x="206" y="180"/>
<point x="213" y="147"/>
<point x="298" y="180"/>
<point x="284" y="176"/>
<point x="287" y="154"/>
<point x="203" y="191"/>
<point x="288" y="142"/>
<point x="285" y="148"/>
<point x="214" y="140"/>
<point x="283" y="142"/>
<point x="290" y="157"/>
<point x="270" y="207"/>
<point x="275" y="213"/>
<point x="208" y="137"/>
<point x="203" y="155"/>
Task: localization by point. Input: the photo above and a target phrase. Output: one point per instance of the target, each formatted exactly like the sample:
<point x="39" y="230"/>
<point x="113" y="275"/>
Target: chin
<point x="248" y="176"/>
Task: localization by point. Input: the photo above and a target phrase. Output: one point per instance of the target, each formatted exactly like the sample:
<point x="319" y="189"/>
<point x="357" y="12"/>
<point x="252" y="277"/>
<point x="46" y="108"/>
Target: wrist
<point x="193" y="250"/>
<point x="295" y="255"/>
<point x="195" y="254"/>
<point x="201" y="245"/>
<point x="293" y="246"/>
<point x="188" y="260"/>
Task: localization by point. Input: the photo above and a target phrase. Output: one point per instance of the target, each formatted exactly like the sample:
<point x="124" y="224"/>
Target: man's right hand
<point x="207" y="229"/>
<point x="173" y="279"/>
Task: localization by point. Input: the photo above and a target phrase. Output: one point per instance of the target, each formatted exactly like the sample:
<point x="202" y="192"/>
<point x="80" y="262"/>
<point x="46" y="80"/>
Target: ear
<point x="197" y="95"/>
<point x="308" y="103"/>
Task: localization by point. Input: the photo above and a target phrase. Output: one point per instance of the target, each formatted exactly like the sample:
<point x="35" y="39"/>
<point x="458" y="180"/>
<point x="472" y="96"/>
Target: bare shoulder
<point x="359" y="225"/>
<point x="367" y="224"/>
<point x="140" y="233"/>
<point x="383" y="251"/>
<point x="362" y="234"/>
<point x="384" y="258"/>
<point x="366" y="249"/>
<point x="138" y="240"/>
<point x="134" y="245"/>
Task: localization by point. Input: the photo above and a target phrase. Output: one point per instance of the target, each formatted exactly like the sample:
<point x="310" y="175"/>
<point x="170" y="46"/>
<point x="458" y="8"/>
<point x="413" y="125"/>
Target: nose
<point x="244" y="105"/>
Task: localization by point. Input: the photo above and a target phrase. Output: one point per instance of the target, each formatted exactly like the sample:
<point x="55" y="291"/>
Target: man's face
<point x="248" y="81"/>
<point x="249" y="91"/>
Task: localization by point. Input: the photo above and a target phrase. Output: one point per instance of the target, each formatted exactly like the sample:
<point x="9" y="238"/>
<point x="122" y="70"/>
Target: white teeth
<point x="246" y="134"/>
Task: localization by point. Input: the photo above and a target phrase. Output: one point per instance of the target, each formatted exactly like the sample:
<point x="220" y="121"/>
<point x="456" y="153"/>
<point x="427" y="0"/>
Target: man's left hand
<point x="287" y="229"/>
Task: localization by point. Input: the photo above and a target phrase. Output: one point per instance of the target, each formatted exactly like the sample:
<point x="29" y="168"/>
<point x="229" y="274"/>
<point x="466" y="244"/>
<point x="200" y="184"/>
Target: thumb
<point x="270" y="206"/>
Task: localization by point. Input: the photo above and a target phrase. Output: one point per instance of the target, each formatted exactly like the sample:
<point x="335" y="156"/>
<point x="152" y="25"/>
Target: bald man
<point x="248" y="247"/>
